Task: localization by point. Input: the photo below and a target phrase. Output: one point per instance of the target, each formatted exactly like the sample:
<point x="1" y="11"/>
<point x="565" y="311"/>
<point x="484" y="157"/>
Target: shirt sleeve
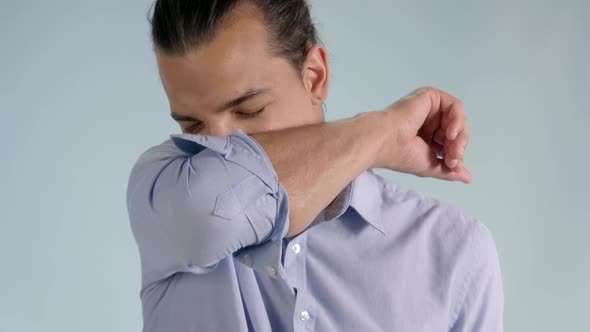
<point x="482" y="307"/>
<point x="196" y="199"/>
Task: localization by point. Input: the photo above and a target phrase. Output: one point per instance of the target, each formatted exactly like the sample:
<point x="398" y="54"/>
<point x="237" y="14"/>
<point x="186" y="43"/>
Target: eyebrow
<point x="232" y="103"/>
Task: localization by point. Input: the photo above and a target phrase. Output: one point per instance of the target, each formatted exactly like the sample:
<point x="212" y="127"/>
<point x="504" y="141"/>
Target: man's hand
<point x="428" y="122"/>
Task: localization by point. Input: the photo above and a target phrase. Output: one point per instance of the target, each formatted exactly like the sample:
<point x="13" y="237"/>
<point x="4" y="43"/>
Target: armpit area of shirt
<point x="337" y="207"/>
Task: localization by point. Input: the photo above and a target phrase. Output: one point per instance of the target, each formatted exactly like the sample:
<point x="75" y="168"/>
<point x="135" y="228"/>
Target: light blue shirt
<point x="210" y="217"/>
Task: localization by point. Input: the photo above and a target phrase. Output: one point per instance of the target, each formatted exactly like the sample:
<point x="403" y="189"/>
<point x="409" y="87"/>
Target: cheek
<point x="293" y="112"/>
<point x="294" y="108"/>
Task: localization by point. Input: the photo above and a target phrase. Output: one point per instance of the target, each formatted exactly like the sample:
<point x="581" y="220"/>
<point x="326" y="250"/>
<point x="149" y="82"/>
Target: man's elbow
<point x="186" y="214"/>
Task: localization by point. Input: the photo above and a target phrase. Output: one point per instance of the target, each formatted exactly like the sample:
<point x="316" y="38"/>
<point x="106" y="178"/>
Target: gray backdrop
<point x="80" y="99"/>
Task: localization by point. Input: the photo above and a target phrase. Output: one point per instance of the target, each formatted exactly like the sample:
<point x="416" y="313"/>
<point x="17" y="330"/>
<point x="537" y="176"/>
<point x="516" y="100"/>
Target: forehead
<point x="235" y="61"/>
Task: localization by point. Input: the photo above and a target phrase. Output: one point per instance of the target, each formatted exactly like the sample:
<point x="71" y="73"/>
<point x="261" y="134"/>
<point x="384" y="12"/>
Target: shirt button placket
<point x="303" y="315"/>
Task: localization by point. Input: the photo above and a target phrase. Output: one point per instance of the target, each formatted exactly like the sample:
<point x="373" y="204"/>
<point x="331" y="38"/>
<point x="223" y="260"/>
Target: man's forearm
<point x="315" y="162"/>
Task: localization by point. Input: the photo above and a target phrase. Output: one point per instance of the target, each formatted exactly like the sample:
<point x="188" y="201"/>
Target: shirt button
<point x="304" y="315"/>
<point x="248" y="260"/>
<point x="270" y="270"/>
<point x="296" y="248"/>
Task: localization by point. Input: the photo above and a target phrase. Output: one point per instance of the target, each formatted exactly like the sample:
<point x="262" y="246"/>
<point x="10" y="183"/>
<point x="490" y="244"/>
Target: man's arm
<point x="197" y="199"/>
<point x="315" y="162"/>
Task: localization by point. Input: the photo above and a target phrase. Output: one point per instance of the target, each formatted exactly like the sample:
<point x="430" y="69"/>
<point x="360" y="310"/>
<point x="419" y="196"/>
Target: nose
<point x="223" y="128"/>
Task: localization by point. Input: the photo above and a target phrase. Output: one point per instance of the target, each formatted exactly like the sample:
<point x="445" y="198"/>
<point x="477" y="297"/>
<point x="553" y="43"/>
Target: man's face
<point x="235" y="82"/>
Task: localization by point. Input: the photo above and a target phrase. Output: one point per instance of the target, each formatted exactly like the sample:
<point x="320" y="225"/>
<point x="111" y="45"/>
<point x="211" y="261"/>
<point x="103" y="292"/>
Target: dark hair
<point x="179" y="26"/>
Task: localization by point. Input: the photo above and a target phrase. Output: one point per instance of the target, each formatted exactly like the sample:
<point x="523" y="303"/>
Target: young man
<point x="263" y="217"/>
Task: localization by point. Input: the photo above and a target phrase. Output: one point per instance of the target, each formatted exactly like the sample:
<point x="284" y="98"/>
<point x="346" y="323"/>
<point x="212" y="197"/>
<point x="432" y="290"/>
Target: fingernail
<point x="453" y="163"/>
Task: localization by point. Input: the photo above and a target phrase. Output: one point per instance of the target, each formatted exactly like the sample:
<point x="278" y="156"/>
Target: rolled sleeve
<point x="266" y="257"/>
<point x="196" y="199"/>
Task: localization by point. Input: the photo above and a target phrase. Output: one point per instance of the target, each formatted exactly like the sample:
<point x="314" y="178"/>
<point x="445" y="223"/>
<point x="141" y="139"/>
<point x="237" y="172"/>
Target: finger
<point x="459" y="173"/>
<point x="465" y="174"/>
<point x="454" y="150"/>
<point x="456" y="120"/>
<point x="451" y="163"/>
<point x="444" y="112"/>
<point x="436" y="168"/>
<point x="439" y="149"/>
<point x="431" y="126"/>
<point x="439" y="136"/>
<point x="441" y="171"/>
<point x="425" y="105"/>
<point x="463" y="138"/>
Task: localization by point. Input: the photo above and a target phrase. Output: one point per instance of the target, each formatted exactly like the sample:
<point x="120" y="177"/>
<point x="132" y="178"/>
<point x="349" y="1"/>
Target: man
<point x="263" y="217"/>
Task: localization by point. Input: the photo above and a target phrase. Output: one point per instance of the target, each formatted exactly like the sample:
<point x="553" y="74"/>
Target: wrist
<point x="374" y="132"/>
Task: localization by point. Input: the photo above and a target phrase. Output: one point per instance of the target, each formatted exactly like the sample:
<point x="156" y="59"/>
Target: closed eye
<point x="198" y="126"/>
<point x="194" y="128"/>
<point x="250" y="114"/>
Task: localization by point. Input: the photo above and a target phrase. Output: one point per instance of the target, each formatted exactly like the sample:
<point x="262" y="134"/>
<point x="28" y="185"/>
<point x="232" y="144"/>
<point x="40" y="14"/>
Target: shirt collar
<point x="363" y="194"/>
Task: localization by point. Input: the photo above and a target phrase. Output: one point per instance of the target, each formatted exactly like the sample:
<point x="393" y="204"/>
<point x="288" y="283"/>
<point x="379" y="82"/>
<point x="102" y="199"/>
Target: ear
<point x="316" y="74"/>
